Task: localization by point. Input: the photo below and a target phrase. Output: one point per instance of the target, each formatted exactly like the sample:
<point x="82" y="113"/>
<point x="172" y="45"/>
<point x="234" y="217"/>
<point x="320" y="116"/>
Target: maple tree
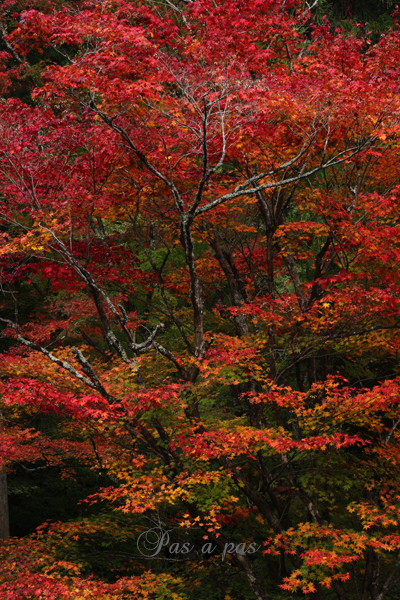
<point x="199" y="265"/>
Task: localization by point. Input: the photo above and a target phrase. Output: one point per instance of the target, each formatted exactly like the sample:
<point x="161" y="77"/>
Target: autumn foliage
<point x="199" y="252"/>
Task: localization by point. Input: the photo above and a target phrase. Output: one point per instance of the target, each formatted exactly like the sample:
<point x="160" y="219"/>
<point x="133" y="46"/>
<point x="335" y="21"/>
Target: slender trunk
<point x="237" y="293"/>
<point x="324" y="365"/>
<point x="311" y="370"/>
<point x="298" y="377"/>
<point x="196" y="292"/>
<point x="374" y="585"/>
<point x="4" y="520"/>
<point x="339" y="589"/>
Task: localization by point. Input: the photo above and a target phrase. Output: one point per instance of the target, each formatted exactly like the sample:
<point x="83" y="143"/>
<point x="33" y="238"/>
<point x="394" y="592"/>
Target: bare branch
<point x="241" y="190"/>
<point x="63" y="364"/>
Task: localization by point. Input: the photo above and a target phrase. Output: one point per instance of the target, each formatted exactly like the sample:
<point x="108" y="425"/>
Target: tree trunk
<point x="4" y="521"/>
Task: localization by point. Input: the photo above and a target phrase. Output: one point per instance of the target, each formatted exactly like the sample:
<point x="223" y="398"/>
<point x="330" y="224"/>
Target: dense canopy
<point x="200" y="300"/>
